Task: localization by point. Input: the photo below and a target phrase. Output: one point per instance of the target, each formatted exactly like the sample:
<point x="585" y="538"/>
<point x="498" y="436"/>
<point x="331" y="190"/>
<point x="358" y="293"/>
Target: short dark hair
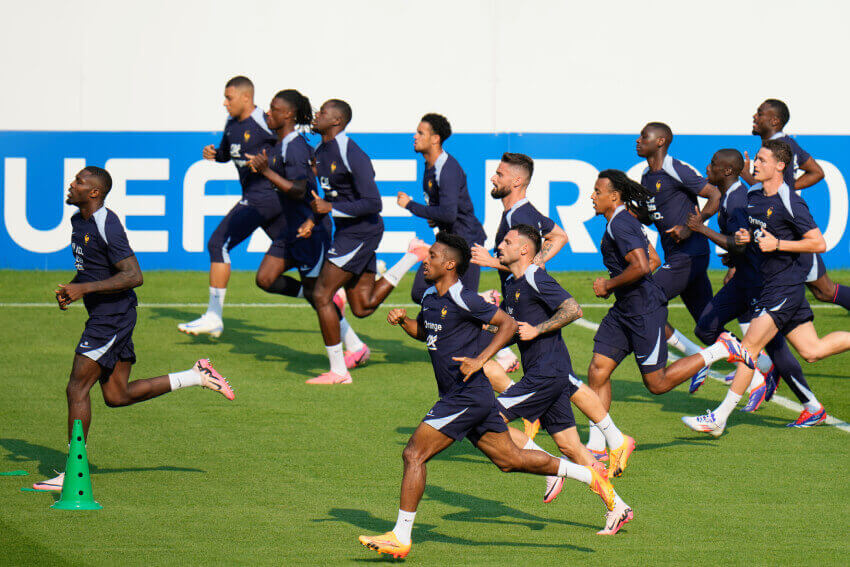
<point x="665" y="131"/>
<point x="780" y="150"/>
<point x="530" y="233"/>
<point x="781" y="110"/>
<point x="102" y="176"/>
<point x="344" y="109"/>
<point x="439" y="124"/>
<point x="240" y="82"/>
<point x="733" y="158"/>
<point x="460" y="247"/>
<point x="520" y="160"/>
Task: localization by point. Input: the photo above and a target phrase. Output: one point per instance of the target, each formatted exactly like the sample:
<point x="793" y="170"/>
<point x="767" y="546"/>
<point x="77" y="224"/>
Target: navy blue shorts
<point x="815" y="268"/>
<point x="109" y="338"/>
<point x="469" y="280"/>
<point x="546" y="399"/>
<point x="686" y="277"/>
<point x="469" y="412"/>
<point x="240" y="223"/>
<point x="306" y="254"/>
<point x="786" y="305"/>
<point x="620" y="334"/>
<point x="734" y="300"/>
<point x="355" y="255"/>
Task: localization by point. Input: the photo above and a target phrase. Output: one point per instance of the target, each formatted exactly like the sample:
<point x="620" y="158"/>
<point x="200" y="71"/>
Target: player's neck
<point x="90" y="208"/>
<point x="332" y="133"/>
<point x="285" y="130"/>
<point x="443" y="284"/>
<point x="610" y="212"/>
<point x="247" y="112"/>
<point x="769" y="134"/>
<point x="656" y="160"/>
<point x="519" y="267"/>
<point x="432" y="155"/>
<point x="771" y="186"/>
<point x="726" y="183"/>
<point x="513" y="198"/>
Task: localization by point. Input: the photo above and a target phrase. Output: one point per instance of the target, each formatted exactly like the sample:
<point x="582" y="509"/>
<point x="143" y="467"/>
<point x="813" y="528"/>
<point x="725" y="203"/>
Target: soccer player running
<point x="448" y="207"/>
<point x="781" y="229"/>
<point x="769" y="121"/>
<point x="510" y="184"/>
<point x="636" y="321"/>
<point x="673" y="188"/>
<point x="449" y="323"/>
<point x="245" y="133"/>
<point x="735" y="299"/>
<point x="351" y="197"/>
<point x="541" y="308"/>
<point x="107" y="272"/>
<point x="289" y="168"/>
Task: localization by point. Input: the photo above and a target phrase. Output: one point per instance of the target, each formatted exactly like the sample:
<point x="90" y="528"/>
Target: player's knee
<point x="703" y="334"/>
<point x="412" y="456"/>
<point x="822" y="293"/>
<point x="116" y="399"/>
<point x="359" y="311"/>
<point x="810" y="353"/>
<point x="655" y="387"/>
<point x="215" y="247"/>
<point x="264" y="281"/>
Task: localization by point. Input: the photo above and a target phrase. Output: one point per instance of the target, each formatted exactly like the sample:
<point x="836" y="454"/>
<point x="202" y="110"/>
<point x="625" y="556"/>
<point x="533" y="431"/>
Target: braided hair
<point x="633" y="194"/>
<point x="301" y="104"/>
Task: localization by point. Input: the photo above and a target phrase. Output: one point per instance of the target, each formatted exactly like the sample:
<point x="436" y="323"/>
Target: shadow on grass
<point x="248" y="338"/>
<point x="50" y="460"/>
<point x="423" y="532"/>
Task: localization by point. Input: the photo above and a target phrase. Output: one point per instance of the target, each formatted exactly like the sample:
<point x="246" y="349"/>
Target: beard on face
<point x="498" y="193"/>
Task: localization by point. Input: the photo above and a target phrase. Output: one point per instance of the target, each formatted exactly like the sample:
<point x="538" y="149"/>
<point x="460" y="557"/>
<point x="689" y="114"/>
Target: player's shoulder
<point x="535" y="276"/>
<point x="677" y="168"/>
<point x="258" y="118"/>
<point x="465" y="298"/>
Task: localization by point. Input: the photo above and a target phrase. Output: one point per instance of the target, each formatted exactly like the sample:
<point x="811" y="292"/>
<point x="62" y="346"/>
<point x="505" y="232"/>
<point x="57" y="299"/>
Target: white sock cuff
<point x="184" y="379"/>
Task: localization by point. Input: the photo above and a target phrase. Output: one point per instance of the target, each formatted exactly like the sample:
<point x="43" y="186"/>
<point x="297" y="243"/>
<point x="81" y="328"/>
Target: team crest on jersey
<point x="443" y="312"/>
<point x="333" y="166"/>
<point x="247" y="135"/>
<point x="86" y="239"/>
<point x="430" y="184"/>
<point x="516" y="295"/>
<point x="769" y="212"/>
<point x="658" y="185"/>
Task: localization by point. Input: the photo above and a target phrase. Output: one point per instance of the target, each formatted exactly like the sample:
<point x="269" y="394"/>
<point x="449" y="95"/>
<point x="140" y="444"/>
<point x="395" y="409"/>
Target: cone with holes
<point x="76" y="488"/>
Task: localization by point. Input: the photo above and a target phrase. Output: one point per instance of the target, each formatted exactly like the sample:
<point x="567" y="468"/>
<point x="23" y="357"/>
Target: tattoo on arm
<point x="567" y="312"/>
<point x="544" y="252"/>
<point x="491" y="329"/>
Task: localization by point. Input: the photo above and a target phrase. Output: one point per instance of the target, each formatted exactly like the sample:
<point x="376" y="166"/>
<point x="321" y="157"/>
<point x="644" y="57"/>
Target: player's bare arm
<point x="552" y="244"/>
<point x="812" y="241"/>
<point x="638" y="267"/>
<point x="654" y="258"/>
<point x="812" y="173"/>
<point x="566" y="313"/>
<point x="507" y="328"/>
<point x="482" y="257"/>
<point x="725" y="241"/>
<point x="398" y="317"/>
<point x="129" y="276"/>
<point x="260" y="163"/>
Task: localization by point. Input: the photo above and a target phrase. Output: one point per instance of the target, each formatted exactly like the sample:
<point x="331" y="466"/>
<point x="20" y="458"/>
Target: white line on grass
<point x="780" y="400"/>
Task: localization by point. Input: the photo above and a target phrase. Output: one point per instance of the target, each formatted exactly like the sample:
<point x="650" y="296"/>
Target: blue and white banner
<point x="171" y="200"/>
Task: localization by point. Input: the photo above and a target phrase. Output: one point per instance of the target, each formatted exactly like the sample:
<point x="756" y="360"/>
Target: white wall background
<point x="489" y="65"/>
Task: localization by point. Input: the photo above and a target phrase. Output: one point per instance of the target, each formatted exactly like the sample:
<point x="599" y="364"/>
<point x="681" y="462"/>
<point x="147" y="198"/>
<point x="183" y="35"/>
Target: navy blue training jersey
<point x="623" y="234"/>
<point x="533" y="298"/>
<point x="291" y="160"/>
<point x="732" y="216"/>
<point x="98" y="244"/>
<point x="348" y="179"/>
<point x="523" y="212"/>
<point x="786" y="216"/>
<point x="801" y="156"/>
<point x="675" y="188"/>
<point x="452" y="325"/>
<point x="249" y="136"/>
<point x="447" y="201"/>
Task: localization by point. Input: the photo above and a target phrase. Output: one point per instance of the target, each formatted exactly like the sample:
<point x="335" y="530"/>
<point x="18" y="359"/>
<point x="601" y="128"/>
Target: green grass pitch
<point x="292" y="474"/>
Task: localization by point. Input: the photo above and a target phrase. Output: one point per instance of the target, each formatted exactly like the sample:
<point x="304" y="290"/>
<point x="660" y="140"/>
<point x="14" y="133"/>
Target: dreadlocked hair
<point x="301" y="104"/>
<point x="633" y="194"/>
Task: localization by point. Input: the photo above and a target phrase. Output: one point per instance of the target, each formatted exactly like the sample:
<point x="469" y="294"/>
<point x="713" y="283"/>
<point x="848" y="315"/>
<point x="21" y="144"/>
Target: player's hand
<point x="319" y="205"/>
<point x="396" y="316"/>
<point x="306" y="229"/>
<point x="481" y="257"/>
<point x="468" y="366"/>
<point x="679" y="232"/>
<point x="747" y="165"/>
<point x="742" y="236"/>
<point x="61" y="298"/>
<point x="726" y="260"/>
<point x="432" y="223"/>
<point x="72" y="291"/>
<point x="403" y="199"/>
<point x="209" y="152"/>
<point x="730" y="273"/>
<point x="312" y="163"/>
<point x="767" y="242"/>
<point x="526" y="332"/>
<point x="600" y="288"/>
<point x="258" y="162"/>
<point x="695" y="222"/>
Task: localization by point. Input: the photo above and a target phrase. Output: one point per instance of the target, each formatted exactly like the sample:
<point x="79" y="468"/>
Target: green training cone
<point x="76" y="489"/>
